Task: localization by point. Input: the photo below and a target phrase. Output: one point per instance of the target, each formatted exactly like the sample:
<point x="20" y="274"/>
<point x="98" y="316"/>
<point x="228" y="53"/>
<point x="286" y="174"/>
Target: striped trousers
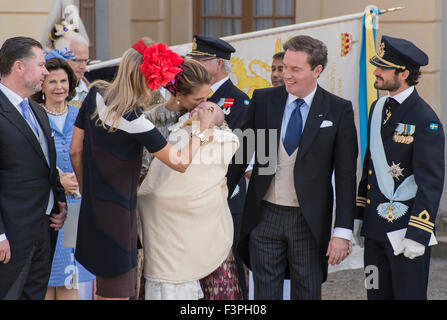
<point x="283" y="239"/>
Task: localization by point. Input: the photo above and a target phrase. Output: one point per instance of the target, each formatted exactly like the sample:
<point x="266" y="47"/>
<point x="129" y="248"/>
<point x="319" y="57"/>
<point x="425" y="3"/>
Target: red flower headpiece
<point x="139" y="46"/>
<point x="160" y="64"/>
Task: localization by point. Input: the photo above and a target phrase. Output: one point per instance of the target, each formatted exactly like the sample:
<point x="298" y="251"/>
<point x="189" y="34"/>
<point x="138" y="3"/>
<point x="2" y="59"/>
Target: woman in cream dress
<point x="186" y="222"/>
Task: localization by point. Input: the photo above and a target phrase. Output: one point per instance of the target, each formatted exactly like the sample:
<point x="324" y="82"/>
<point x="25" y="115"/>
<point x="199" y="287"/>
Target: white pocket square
<point x="326" y="123"/>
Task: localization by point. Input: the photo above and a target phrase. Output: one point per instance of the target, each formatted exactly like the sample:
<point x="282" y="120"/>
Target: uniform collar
<point x="401" y="96"/>
<point x="217" y="85"/>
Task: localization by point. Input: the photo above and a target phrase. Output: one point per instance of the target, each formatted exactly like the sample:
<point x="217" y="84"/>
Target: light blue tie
<point x="294" y="128"/>
<point x="26" y="112"/>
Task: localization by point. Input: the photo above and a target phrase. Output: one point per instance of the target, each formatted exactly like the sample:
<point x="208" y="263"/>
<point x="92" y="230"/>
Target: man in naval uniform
<point x="403" y="177"/>
<point x="215" y="55"/>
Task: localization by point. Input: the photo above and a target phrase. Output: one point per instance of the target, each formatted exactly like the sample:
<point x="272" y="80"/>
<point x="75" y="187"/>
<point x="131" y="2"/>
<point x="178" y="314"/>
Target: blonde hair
<point x="127" y="92"/>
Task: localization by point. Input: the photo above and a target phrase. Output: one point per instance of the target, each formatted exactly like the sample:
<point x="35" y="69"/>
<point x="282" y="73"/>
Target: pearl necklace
<point x="56" y="113"/>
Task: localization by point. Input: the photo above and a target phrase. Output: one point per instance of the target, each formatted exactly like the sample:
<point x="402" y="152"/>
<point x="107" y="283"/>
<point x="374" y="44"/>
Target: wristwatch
<point x="199" y="135"/>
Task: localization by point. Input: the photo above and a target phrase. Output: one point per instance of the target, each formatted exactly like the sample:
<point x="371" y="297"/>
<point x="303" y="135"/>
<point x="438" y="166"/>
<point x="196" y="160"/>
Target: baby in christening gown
<point x="186" y="221"/>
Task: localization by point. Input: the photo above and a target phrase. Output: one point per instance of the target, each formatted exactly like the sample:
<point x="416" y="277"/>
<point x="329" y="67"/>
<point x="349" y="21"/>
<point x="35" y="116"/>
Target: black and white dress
<point x="107" y="230"/>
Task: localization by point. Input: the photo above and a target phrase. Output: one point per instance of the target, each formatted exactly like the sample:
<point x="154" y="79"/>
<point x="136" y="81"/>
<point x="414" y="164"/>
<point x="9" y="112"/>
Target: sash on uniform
<point x="407" y="189"/>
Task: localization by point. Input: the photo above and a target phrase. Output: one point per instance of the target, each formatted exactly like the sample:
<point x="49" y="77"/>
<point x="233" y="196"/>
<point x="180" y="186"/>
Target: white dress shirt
<point x="81" y="91"/>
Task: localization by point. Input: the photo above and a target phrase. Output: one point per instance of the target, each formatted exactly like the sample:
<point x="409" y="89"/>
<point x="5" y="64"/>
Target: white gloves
<point x="359" y="240"/>
<point x="411" y="249"/>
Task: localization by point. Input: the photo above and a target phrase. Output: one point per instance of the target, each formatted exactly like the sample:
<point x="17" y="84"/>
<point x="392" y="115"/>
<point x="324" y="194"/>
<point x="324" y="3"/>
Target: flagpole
<point x="390" y="10"/>
<point x="261" y="33"/>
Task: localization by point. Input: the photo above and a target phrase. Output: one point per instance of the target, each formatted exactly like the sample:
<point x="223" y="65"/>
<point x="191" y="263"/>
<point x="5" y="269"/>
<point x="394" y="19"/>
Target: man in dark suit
<point x="32" y="201"/>
<point x="403" y="177"/>
<point x="215" y="55"/>
<point x="302" y="134"/>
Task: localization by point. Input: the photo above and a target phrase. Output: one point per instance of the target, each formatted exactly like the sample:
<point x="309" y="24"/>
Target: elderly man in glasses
<point x="75" y="42"/>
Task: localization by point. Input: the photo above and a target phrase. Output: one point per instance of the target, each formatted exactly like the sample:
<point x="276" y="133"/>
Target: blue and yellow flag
<point x="367" y="93"/>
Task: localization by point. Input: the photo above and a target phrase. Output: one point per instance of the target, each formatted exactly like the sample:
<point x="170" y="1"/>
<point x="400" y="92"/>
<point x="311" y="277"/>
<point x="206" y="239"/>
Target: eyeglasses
<point x="79" y="61"/>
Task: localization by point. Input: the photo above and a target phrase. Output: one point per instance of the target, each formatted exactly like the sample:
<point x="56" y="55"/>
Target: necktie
<point x="389" y="108"/>
<point x="26" y="112"/>
<point x="294" y="128"/>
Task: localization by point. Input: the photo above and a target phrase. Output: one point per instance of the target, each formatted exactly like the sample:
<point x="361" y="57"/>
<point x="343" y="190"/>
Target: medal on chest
<point x="404" y="133"/>
<point x="226" y="104"/>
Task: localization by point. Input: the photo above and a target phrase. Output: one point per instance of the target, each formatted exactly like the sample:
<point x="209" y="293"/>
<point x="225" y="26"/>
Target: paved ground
<point x="349" y="284"/>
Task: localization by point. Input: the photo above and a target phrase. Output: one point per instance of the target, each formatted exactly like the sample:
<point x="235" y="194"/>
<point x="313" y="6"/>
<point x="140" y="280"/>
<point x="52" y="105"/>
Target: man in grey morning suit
<point x="287" y="216"/>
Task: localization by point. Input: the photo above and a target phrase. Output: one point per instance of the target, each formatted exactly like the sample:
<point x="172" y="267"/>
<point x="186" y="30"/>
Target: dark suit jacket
<point x="25" y="183"/>
<point x="321" y="151"/>
<point x="234" y="121"/>
<point x="105" y="73"/>
<point x="424" y="157"/>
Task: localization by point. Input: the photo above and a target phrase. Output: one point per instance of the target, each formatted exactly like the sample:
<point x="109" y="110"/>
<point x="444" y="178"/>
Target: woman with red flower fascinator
<point x="106" y="150"/>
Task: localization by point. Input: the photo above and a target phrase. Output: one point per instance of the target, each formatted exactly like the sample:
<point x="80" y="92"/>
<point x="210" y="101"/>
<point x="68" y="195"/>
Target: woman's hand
<point x="205" y="118"/>
<point x="69" y="182"/>
<point x="218" y="115"/>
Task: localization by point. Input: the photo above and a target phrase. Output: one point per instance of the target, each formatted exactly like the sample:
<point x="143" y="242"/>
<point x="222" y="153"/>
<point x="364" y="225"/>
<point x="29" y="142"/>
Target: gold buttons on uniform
<point x="369" y="187"/>
<point x="368" y="201"/>
<point x="370" y="172"/>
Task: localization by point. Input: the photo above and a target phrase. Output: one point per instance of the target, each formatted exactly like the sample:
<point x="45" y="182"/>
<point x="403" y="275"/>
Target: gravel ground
<point x="349" y="284"/>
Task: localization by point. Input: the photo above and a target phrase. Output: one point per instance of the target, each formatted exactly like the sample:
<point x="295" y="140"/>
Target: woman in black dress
<point x="106" y="150"/>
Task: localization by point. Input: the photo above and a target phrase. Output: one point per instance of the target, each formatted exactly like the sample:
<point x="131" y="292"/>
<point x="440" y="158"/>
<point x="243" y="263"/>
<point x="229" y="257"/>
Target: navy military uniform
<point x="234" y="103"/>
<point x="402" y="180"/>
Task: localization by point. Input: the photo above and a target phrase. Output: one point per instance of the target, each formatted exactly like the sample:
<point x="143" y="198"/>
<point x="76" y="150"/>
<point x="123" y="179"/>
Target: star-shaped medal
<point x="396" y="171"/>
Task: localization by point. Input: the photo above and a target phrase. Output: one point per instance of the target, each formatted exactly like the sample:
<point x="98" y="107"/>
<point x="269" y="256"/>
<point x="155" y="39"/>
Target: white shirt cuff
<point x="3" y="237"/>
<point x="342" y="233"/>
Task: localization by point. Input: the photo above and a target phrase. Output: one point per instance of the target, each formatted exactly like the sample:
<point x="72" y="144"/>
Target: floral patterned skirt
<point x="223" y="283"/>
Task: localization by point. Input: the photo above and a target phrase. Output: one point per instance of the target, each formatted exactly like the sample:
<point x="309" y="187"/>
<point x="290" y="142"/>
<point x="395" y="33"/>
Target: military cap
<point x="203" y="46"/>
<point x="395" y="53"/>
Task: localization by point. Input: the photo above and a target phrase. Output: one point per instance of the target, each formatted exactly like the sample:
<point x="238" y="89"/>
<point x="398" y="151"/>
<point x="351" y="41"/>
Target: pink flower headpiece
<point x="171" y="86"/>
<point x="160" y="64"/>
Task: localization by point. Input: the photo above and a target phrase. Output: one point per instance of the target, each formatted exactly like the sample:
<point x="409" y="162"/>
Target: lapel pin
<point x="320" y="115"/>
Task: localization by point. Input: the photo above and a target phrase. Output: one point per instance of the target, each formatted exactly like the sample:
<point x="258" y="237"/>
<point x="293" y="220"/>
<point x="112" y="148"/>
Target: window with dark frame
<point x="87" y="14"/>
<point x="220" y="18"/>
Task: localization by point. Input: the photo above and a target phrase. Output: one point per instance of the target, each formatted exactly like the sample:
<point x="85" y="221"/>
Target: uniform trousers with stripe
<point x="398" y="277"/>
<point x="283" y="238"/>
